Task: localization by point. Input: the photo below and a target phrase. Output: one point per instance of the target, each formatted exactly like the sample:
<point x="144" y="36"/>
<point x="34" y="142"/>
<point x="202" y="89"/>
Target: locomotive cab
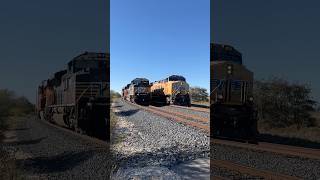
<point x="139" y="91"/>
<point x="173" y="89"/>
<point x="232" y="109"/>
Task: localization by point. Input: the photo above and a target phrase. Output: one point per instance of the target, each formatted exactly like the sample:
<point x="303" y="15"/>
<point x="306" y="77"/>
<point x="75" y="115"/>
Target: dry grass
<point x="317" y="116"/>
<point x="307" y="133"/>
<point x="311" y="134"/>
<point x="8" y="168"/>
<point x="113" y="121"/>
<point x="205" y="103"/>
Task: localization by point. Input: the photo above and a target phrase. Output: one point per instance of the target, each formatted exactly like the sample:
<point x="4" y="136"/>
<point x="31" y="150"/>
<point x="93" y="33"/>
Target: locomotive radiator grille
<point x="88" y="89"/>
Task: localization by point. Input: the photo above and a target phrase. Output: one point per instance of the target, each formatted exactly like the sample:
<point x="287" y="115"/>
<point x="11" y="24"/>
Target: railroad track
<point x="200" y="109"/>
<point x="203" y="124"/>
<point x="249" y="171"/>
<point x="286" y="150"/>
<point x="187" y="119"/>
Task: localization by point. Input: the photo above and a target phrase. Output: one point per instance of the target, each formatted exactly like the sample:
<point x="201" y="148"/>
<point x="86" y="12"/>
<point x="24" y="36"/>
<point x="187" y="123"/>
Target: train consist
<point x="232" y="110"/>
<point x="78" y="97"/>
<point x="138" y="91"/>
<point x="173" y="89"/>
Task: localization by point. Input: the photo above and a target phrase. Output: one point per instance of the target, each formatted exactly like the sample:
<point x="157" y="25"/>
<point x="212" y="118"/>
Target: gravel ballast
<point x="277" y="163"/>
<point x="149" y="141"/>
<point x="45" y="152"/>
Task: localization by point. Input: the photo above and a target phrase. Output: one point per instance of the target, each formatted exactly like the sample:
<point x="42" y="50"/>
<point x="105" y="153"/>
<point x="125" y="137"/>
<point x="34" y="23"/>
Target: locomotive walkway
<point x="45" y="152"/>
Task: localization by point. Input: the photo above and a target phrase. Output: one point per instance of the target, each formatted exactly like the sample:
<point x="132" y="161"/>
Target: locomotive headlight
<point x="229" y="69"/>
<point x="251" y="99"/>
<point x="89" y="104"/>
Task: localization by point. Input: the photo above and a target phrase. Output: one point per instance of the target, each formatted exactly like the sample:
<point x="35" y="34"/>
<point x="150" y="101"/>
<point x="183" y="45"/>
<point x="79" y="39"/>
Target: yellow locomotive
<point x="173" y="89"/>
<point x="232" y="110"/>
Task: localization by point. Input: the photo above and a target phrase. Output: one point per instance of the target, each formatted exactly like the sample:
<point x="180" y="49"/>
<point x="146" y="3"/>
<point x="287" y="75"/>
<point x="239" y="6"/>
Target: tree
<point x="199" y="94"/>
<point x="11" y="105"/>
<point x="282" y="104"/>
<point x="114" y="94"/>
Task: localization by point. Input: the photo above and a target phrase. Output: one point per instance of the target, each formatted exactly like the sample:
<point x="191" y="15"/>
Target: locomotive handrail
<point x="90" y="86"/>
<point x="178" y="90"/>
<point x="220" y="83"/>
<point x="84" y="91"/>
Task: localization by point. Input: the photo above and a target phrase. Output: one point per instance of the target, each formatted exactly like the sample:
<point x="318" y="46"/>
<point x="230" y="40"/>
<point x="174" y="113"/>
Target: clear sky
<point x="38" y="38"/>
<point x="275" y="37"/>
<point x="155" y="39"/>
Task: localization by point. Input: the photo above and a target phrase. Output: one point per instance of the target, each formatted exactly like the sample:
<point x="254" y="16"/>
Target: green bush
<point x="11" y="105"/>
<point x="115" y="94"/>
<point x="199" y="94"/>
<point x="283" y="104"/>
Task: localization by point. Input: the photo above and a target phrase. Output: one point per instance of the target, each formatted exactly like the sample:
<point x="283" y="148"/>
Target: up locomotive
<point x="232" y="110"/>
<point x="138" y="91"/>
<point x="172" y="90"/>
<point x="78" y="97"/>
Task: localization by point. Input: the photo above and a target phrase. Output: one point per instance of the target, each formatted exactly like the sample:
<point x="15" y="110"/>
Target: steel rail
<point x="250" y="170"/>
<point x="274" y="148"/>
<point x="184" y="115"/>
<point x="171" y="116"/>
<point x="193" y="108"/>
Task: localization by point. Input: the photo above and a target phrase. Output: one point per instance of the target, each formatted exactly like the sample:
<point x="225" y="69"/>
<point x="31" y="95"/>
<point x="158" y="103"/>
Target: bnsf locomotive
<point x="232" y="111"/>
<point x="78" y="97"/>
<point x="138" y="91"/>
<point x="173" y="89"/>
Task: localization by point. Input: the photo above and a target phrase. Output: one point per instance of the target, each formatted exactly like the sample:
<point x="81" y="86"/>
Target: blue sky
<point x="276" y="38"/>
<point x="155" y="39"/>
<point x="38" y="38"/>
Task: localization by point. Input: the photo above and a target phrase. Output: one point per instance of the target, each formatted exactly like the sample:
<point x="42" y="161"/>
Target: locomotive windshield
<point x="88" y="65"/>
<point x="140" y="82"/>
<point x="176" y="78"/>
<point x="95" y="70"/>
<point x="221" y="52"/>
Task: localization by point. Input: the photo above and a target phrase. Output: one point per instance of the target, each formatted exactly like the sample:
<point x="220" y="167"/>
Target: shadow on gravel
<point x="172" y="158"/>
<point x="127" y="113"/>
<point x="288" y="141"/>
<point x="59" y="163"/>
<point x="18" y="129"/>
<point x="158" y="104"/>
<point x="28" y="142"/>
<point x="168" y="157"/>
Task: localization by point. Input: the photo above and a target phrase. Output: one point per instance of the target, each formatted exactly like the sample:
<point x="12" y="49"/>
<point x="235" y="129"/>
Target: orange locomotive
<point x="172" y="90"/>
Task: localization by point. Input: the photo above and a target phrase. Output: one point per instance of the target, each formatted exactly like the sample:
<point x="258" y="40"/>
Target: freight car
<point x="232" y="110"/>
<point x="138" y="91"/>
<point x="173" y="89"/>
<point x="78" y="97"/>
